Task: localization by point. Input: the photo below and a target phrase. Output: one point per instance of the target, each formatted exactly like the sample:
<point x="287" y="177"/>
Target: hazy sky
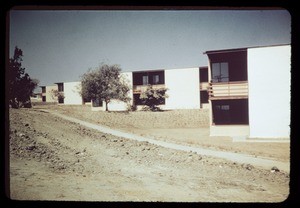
<point x="60" y="46"/>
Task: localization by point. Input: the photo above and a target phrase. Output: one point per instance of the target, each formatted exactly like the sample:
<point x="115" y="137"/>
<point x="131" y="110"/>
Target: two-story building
<point x="70" y="93"/>
<point x="187" y="88"/>
<point x="249" y="91"/>
<point x="47" y="94"/>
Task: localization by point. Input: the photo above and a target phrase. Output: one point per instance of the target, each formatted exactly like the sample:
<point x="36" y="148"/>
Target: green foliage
<point x="20" y="85"/>
<point x="59" y="95"/>
<point x="153" y="97"/>
<point x="104" y="83"/>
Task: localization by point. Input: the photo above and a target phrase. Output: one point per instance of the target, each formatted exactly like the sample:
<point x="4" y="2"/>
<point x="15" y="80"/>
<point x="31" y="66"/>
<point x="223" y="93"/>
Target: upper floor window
<point x="60" y="87"/>
<point x="203" y="75"/>
<point x="148" y="77"/>
<point x="155" y="79"/>
<point x="220" y="72"/>
<point x="43" y="89"/>
<point x="145" y="80"/>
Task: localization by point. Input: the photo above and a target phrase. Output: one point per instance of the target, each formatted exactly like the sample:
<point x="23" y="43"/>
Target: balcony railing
<point x="228" y="90"/>
<point x="142" y="88"/>
<point x="204" y="85"/>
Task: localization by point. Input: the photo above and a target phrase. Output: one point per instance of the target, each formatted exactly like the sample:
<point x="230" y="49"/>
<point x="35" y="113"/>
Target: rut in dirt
<point x="235" y="157"/>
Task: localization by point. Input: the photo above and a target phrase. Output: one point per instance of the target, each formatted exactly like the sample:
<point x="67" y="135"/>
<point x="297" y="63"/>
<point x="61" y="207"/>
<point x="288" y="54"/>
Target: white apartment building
<point x="249" y="91"/>
<point x="187" y="88"/>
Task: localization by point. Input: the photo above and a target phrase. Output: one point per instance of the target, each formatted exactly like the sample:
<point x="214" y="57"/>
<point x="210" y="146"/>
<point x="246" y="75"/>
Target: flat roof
<point x="47" y="85"/>
<point x="65" y="82"/>
<point x="153" y="70"/>
<point x="240" y="49"/>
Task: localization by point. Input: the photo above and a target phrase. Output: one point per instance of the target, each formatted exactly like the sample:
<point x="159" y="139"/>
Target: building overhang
<point x="224" y="51"/>
<point x="239" y="49"/>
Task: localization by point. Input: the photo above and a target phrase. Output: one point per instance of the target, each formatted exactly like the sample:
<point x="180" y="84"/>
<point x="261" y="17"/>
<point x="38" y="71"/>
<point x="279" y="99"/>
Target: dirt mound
<point x="139" y="119"/>
<point x="54" y="159"/>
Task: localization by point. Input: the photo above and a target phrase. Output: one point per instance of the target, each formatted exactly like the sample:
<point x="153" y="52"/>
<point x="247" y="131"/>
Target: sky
<point x="61" y="45"/>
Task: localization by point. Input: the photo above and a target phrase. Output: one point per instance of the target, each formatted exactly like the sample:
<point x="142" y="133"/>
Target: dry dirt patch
<point x="188" y="127"/>
<point x="53" y="159"/>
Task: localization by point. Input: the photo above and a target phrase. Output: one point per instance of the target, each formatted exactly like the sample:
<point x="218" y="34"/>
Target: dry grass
<point x="138" y="119"/>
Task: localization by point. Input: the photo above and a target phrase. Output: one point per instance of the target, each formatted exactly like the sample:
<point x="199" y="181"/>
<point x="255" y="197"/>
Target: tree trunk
<point x="106" y="104"/>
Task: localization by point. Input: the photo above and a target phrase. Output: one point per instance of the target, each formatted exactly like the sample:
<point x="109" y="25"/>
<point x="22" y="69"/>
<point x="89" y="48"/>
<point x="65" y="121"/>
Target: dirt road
<point x="235" y="157"/>
<point x="54" y="159"/>
<point x="186" y="127"/>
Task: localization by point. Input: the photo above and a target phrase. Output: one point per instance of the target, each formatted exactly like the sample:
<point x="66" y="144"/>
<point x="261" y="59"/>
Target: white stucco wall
<point x="229" y="130"/>
<point x="183" y="88"/>
<point x="269" y="91"/>
<point x="127" y="76"/>
<point x="71" y="93"/>
<point x="116" y="105"/>
<point x="49" y="93"/>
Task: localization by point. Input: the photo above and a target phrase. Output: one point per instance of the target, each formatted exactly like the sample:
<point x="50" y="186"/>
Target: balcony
<point x="204" y="85"/>
<point x="228" y="90"/>
<point x="137" y="89"/>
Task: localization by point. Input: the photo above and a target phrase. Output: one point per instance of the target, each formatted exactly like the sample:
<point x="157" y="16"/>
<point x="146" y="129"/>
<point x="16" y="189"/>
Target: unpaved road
<point x="235" y="157"/>
<point x="54" y="159"/>
<point x="186" y="127"/>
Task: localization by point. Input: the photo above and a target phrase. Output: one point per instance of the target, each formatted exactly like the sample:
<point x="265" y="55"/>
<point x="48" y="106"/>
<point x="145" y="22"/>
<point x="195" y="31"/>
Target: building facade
<point x="67" y="93"/>
<point x="249" y="92"/>
<point x="187" y="88"/>
<point x="48" y="94"/>
<point x="70" y="92"/>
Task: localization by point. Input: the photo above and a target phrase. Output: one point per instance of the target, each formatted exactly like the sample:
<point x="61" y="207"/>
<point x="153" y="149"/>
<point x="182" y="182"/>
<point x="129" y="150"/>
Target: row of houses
<point x="247" y="91"/>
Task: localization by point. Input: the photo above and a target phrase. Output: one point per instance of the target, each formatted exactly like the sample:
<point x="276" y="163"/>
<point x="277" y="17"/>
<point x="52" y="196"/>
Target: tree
<point x="59" y="95"/>
<point x="20" y="85"/>
<point x="104" y="83"/>
<point x="152" y="97"/>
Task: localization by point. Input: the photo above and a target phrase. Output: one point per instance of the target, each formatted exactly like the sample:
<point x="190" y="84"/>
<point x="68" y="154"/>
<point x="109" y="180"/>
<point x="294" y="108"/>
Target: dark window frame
<point x="203" y="75"/>
<point x="220" y="78"/>
<point x="139" y="80"/>
<point x="204" y="97"/>
<point x="60" y="87"/>
<point x="237" y="63"/>
<point x="97" y="103"/>
<point x="230" y="112"/>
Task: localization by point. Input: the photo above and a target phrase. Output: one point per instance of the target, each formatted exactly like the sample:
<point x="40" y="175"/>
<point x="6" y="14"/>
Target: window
<point x="44" y="98"/>
<point x="220" y="72"/>
<point x="203" y="75"/>
<point x="221" y="114"/>
<point x="151" y="77"/>
<point x="96" y="103"/>
<point x="145" y="80"/>
<point x="203" y="96"/>
<point x="137" y="100"/>
<point x="155" y="79"/>
<point x="230" y="111"/>
<point x="60" y="87"/>
<point x="43" y="89"/>
<point x="60" y="100"/>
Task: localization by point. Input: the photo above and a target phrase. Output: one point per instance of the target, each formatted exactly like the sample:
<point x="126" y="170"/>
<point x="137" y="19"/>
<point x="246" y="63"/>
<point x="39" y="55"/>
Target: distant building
<point x="187" y="88"/>
<point x="48" y="95"/>
<point x="70" y="92"/>
<point x="249" y="91"/>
